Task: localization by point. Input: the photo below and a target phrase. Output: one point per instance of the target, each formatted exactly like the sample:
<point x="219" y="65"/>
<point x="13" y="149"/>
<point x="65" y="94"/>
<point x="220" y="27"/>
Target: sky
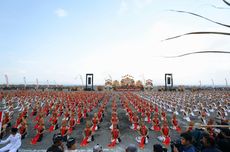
<point x="62" y="40"/>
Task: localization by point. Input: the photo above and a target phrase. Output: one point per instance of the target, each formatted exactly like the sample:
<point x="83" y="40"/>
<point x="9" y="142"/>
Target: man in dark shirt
<point x="58" y="146"/>
<point x="186" y="143"/>
<point x="209" y="143"/>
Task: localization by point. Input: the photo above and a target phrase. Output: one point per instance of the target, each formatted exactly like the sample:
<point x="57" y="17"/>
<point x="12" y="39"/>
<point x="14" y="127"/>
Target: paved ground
<point x="102" y="136"/>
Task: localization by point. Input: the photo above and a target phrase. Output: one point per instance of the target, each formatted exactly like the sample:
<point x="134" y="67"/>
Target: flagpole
<point x="37" y="83"/>
<point x="47" y="84"/>
<point x="7" y="81"/>
<point x="213" y="84"/>
<point x="226" y="81"/>
<point x="24" y="78"/>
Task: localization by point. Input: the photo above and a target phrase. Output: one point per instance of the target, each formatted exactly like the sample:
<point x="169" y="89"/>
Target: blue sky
<point x="59" y="40"/>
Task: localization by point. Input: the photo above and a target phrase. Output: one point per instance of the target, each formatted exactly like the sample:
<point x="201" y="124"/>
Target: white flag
<point x="24" y="78"/>
<point x="48" y="83"/>
<point x="7" y="82"/>
<point x="37" y="83"/>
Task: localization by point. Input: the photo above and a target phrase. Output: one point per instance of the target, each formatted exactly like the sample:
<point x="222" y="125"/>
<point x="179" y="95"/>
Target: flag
<point x="24" y="78"/>
<point x="7" y="82"/>
<point x="37" y="83"/>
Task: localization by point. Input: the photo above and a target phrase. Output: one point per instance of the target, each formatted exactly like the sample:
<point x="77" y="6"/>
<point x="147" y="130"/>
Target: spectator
<point x="157" y="148"/>
<point x="209" y="143"/>
<point x="71" y="145"/>
<point x="58" y="145"/>
<point x="131" y="148"/>
<point x="223" y="138"/>
<point x="186" y="143"/>
<point x="15" y="141"/>
<point x="97" y="148"/>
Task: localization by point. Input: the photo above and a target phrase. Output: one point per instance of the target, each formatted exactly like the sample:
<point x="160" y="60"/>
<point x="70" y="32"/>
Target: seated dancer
<point x="6" y="124"/>
<point x="143" y="138"/>
<point x="54" y="122"/>
<point x="135" y="122"/>
<point x="79" y="116"/>
<point x="190" y="127"/>
<point x="39" y="119"/>
<point x="60" y="110"/>
<point x="115" y="136"/>
<point x="175" y="124"/>
<point x="114" y="120"/>
<point x="163" y="115"/>
<point x="19" y="120"/>
<point x="156" y="123"/>
<point x="85" y="112"/>
<point x="88" y="136"/>
<point x="202" y="118"/>
<point x="95" y="122"/>
<point x="72" y="123"/>
<point x="100" y="115"/>
<point x="6" y="120"/>
<point x="209" y="128"/>
<point x="66" y="115"/>
<point x="23" y="128"/>
<point x="34" y="111"/>
<point x="148" y="115"/>
<point x="64" y="130"/>
<point x="40" y="131"/>
<point x="165" y="138"/>
<point x="186" y="117"/>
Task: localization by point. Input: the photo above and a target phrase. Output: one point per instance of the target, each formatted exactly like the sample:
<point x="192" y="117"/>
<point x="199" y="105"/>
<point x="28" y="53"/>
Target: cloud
<point x="60" y="12"/>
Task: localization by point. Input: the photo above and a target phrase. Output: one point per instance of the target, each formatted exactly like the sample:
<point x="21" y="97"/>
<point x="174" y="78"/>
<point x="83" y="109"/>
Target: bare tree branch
<point x="201" y="17"/>
<point x="193" y="33"/>
<point x="217" y="7"/>
<point x="226" y="2"/>
<point x="198" y="52"/>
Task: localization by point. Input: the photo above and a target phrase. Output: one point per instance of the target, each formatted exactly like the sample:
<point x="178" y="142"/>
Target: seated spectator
<point x="71" y="145"/>
<point x="131" y="148"/>
<point x="223" y="137"/>
<point x="186" y="143"/>
<point x="157" y="148"/>
<point x="58" y="145"/>
<point x="209" y="143"/>
<point x="97" y="148"/>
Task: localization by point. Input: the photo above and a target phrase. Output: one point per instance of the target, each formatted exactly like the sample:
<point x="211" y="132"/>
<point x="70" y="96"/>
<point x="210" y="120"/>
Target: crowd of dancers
<point x="163" y="112"/>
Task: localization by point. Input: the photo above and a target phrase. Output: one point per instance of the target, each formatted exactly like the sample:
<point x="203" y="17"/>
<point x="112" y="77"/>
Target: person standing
<point x="14" y="141"/>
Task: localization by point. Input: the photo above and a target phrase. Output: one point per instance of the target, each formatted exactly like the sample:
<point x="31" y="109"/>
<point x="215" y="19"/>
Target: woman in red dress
<point x="40" y="131"/>
<point x="135" y="122"/>
<point x="175" y="124"/>
<point x="88" y="134"/>
<point x="114" y="120"/>
<point x="64" y="130"/>
<point x="72" y="123"/>
<point x="156" y="123"/>
<point x="23" y="129"/>
<point x="95" y="122"/>
<point x="115" y="137"/>
<point x="54" y="122"/>
<point x="165" y="138"/>
<point x="80" y="116"/>
<point x="143" y="131"/>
